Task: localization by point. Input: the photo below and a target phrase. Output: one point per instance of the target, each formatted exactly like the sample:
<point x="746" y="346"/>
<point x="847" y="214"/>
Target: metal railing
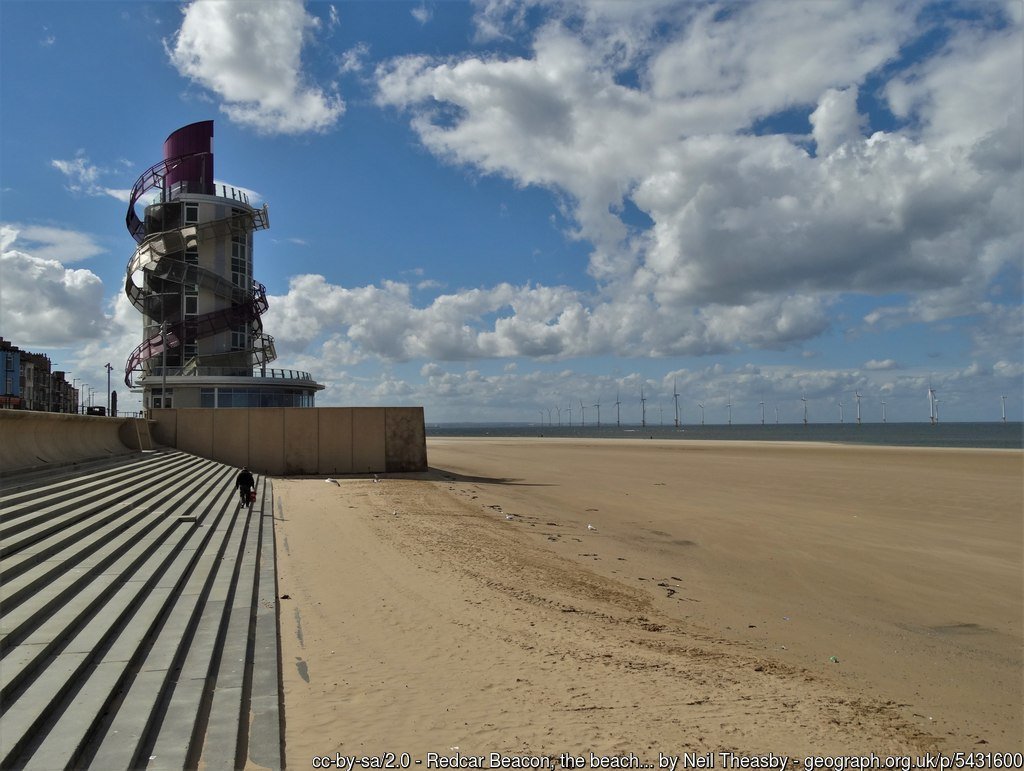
<point x="288" y="374"/>
<point x="226" y="191"/>
<point x="190" y="370"/>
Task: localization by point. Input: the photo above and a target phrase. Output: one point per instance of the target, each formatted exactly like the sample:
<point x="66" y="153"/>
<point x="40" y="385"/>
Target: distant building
<point x="10" y="361"/>
<point x="35" y="381"/>
<point x="191" y="277"/>
<point x="29" y="383"/>
<point x="63" y="398"/>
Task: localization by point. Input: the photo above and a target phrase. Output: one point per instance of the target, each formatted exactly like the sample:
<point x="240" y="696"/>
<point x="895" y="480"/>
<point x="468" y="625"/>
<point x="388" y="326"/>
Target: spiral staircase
<point x="180" y="263"/>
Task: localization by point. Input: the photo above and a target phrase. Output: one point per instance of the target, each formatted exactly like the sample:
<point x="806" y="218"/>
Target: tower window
<point x="161" y="399"/>
<point x="191" y="213"/>
<point x="239" y="261"/>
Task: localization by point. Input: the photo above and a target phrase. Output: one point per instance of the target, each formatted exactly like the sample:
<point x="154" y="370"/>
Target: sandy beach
<point x="534" y="597"/>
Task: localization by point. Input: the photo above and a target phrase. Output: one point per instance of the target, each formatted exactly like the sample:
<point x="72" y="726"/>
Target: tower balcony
<point x="156" y="372"/>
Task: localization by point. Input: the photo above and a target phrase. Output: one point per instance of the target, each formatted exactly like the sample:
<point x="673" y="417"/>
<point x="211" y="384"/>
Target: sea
<point x="996" y="435"/>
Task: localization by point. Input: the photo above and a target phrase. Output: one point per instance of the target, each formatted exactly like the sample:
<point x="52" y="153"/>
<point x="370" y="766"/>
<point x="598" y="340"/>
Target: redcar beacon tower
<point x="192" y="278"/>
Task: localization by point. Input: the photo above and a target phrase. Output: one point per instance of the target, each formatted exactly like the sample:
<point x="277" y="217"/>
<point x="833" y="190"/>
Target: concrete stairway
<point x="138" y="618"/>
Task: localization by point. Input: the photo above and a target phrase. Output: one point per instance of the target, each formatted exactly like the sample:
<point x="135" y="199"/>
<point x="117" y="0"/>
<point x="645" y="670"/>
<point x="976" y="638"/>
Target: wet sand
<point x="544" y="596"/>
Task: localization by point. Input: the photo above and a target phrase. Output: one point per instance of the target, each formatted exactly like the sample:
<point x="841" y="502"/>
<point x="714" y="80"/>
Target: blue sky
<point x="497" y="207"/>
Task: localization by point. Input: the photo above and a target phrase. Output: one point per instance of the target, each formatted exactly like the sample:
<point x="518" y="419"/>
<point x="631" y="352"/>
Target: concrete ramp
<point x="31" y="439"/>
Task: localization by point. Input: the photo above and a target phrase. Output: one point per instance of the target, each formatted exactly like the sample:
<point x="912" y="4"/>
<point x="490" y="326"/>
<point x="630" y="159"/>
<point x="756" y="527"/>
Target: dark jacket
<point x="245" y="481"/>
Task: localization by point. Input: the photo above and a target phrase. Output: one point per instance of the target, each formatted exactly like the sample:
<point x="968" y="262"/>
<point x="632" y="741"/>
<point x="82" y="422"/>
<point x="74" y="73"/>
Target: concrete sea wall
<point x="269" y="440"/>
<point x="32" y="439"/>
<point x="283" y="441"/>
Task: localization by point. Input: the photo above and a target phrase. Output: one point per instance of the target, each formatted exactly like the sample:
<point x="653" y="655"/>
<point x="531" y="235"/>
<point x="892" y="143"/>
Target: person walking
<point x="245" y="484"/>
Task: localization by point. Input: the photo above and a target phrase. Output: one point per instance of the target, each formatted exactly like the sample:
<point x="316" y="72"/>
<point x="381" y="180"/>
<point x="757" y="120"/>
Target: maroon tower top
<point x="196" y="171"/>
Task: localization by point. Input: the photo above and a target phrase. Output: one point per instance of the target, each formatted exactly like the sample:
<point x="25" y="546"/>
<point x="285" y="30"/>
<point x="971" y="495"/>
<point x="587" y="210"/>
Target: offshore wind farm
<point x="994" y="434"/>
<point x="807" y="420"/>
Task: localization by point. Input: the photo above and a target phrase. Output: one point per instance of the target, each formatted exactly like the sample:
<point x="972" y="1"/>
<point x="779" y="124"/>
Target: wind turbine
<point x="762" y="410"/>
<point x="729" y="405"/>
<point x="598" y="405"/>
<point x="776" y="414"/>
<point x="857" y="395"/>
<point x="643" y="407"/>
<point x="583" y="415"/>
<point x="701" y="405"/>
<point x="804" y="400"/>
<point x="1004" y="407"/>
<point x="675" y="395"/>
<point x="841" y="413"/>
<point x="661" y="415"/>
<point x="542" y="418"/>
<point x="569" y="409"/>
<point x="549" y="416"/>
<point x="883" y="412"/>
<point x="933" y="412"/>
<point x="618" y="423"/>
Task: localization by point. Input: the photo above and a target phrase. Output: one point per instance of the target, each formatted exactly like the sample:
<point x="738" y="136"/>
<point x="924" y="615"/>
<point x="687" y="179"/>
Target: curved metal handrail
<point x="162" y="256"/>
<point x="206" y="325"/>
<point x="158" y="263"/>
<point x="154" y="177"/>
<point x="149" y="179"/>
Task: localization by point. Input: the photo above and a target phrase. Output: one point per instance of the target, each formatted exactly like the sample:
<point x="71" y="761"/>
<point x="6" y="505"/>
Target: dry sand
<point x="791" y="598"/>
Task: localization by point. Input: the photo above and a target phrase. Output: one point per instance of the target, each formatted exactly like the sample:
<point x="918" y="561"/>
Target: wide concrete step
<point x="28" y="479"/>
<point x="56" y="505"/>
<point x="140" y="635"/>
<point x="87" y="548"/>
<point x="16" y="488"/>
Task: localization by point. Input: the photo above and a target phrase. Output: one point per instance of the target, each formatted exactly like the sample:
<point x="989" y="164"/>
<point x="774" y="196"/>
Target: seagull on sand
<point x="591" y="527"/>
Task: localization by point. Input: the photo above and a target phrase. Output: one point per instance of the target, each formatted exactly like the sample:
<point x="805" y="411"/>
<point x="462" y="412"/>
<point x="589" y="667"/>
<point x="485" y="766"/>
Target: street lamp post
<point x="109" y="368"/>
<point x="163" y="345"/>
<point x="85" y="396"/>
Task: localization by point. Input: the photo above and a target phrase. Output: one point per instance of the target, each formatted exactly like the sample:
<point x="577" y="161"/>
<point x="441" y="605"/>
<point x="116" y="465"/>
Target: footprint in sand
<point x="303" y="669"/>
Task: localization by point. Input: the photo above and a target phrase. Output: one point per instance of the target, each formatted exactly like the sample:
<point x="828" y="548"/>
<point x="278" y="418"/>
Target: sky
<point x="494" y="209"/>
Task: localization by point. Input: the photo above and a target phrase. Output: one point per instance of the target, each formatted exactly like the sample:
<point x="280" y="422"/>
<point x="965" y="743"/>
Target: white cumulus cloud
<point x="250" y="56"/>
<point x="42" y="302"/>
<point x="505" y="321"/>
<point x="670" y="116"/>
<point x="84" y="177"/>
<point x="836" y="120"/>
<point x="881" y="364"/>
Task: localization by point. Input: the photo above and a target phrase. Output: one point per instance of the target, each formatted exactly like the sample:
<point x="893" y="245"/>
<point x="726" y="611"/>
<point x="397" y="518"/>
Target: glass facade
<point x="255" y="397"/>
